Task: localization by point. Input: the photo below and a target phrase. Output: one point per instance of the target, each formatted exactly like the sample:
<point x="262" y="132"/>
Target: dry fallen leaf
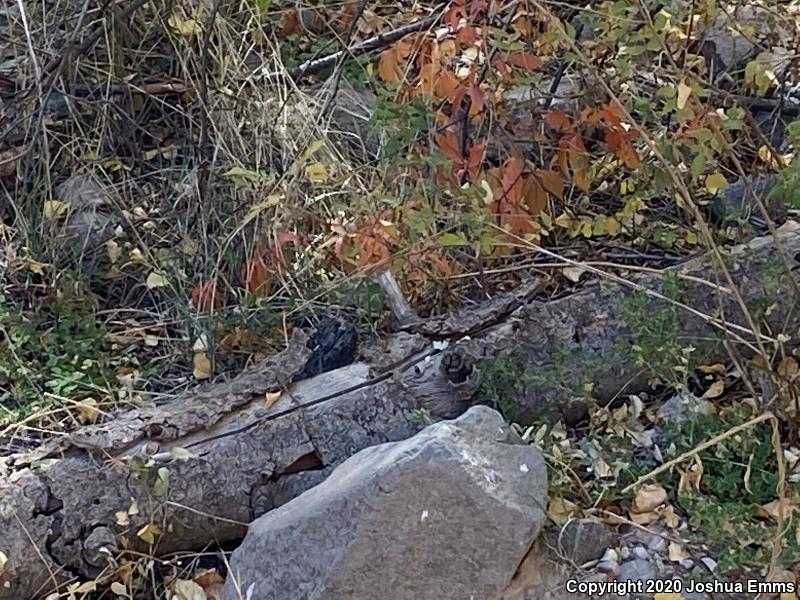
<point x="156" y="280"/>
<point x="560" y="510"/>
<point x="3" y="562"/>
<point x="648" y="498"/>
<point x="149" y="532"/>
<point x="677" y="553"/>
<point x="202" y="365"/>
<point x="573" y="273"/>
<point x="88" y="411"/>
<point x="271" y="398"/>
<point x="715" y="390"/>
<point x="185" y="589"/>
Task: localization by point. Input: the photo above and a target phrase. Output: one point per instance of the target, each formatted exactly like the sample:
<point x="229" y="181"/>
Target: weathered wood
<point x="204" y="465"/>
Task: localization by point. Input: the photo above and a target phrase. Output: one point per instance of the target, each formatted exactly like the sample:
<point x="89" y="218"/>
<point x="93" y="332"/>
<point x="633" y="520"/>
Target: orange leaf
<point x="206" y="296"/>
<point x="535" y="196"/>
<point x="291" y="22"/>
<point x="512" y="180"/>
<point x="446" y="85"/>
<point x="474" y="160"/>
<point x="523" y="60"/>
<point x="558" y="120"/>
<point x="255" y="276"/>
<point x="448" y="145"/>
<point x="391" y="59"/>
<point x="344" y="18"/>
<point x="552" y="182"/>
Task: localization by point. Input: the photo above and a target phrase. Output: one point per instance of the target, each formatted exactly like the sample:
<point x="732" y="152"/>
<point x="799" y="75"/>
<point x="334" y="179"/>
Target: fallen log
<point x="199" y="468"/>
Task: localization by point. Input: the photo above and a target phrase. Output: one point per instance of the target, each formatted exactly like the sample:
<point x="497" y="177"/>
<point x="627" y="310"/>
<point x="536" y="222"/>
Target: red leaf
<point x="448" y="145"/>
<point x="558" y="120"/>
<point x="552" y="182"/>
<point x="474" y="160"/>
<point x="206" y="296"/>
<point x="255" y="276"/>
<point x="512" y="180"/>
<point x="523" y="60"/>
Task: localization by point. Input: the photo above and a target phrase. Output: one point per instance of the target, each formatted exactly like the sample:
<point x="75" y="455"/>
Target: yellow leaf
<point x="156" y="280"/>
<point x="52" y="209"/>
<point x="202" y="366"/>
<point x="564" y="220"/>
<point x="122" y="518"/>
<point x="313" y="147"/>
<point x="612" y="226"/>
<point x="149" y="532"/>
<point x="573" y="273"/>
<point x="119" y="589"/>
<point x="317" y="173"/>
<point x="113" y="250"/>
<point x="186" y="589"/>
<point x="271" y="398"/>
<point x="715" y="390"/>
<point x="183" y="26"/>
<point x="715" y="368"/>
<point x="88" y="410"/>
<point x="684" y="91"/>
<point x="560" y="510"/>
<point x="691" y="238"/>
<point x="667" y="596"/>
<point x="715" y="182"/>
<point x="33" y="266"/>
<point x="3" y="562"/>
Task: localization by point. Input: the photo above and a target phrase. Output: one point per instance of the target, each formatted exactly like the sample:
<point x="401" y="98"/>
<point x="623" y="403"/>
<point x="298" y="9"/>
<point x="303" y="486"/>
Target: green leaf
<point x="455" y="238"/>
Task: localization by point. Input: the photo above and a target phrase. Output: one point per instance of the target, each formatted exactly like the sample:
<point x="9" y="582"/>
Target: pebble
<point x="657" y="543"/>
<point x="608" y="566"/>
<point x="624" y="553"/>
<point x="687" y="563"/>
<point x="640" y="552"/>
<point x="637" y="570"/>
<point x="709" y="563"/>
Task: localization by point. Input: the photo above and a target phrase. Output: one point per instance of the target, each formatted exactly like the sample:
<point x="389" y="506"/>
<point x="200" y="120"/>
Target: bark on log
<point x="204" y="465"/>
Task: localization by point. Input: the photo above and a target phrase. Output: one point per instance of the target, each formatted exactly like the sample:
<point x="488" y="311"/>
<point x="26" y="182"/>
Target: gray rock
<point x="657" y="544"/>
<point x="640" y="552"/>
<point x="683" y="406"/>
<point x="581" y="540"/>
<point x="637" y="569"/>
<point x="735" y="202"/>
<point x="449" y="513"/>
<point x="608" y="566"/>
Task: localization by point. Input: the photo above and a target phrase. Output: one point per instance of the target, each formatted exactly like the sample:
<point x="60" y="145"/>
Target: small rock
<point x="582" y="540"/>
<point x="657" y="544"/>
<point x="709" y="563"/>
<point x="610" y="555"/>
<point x="624" y="553"/>
<point x="608" y="566"/>
<point x="683" y="406"/>
<point x="637" y="570"/>
<point x="687" y="563"/>
<point x="640" y="552"/>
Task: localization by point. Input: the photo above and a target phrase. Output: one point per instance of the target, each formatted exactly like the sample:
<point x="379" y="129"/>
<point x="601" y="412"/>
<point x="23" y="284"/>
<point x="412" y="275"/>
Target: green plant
<point x="58" y="348"/>
<point x="739" y="477"/>
<point x="656" y="333"/>
<point x="788" y="186"/>
<point x="400" y="122"/>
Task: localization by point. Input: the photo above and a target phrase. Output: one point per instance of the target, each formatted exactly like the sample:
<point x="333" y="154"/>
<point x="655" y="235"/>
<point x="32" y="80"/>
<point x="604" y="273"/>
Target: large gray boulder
<point x="449" y="513"/>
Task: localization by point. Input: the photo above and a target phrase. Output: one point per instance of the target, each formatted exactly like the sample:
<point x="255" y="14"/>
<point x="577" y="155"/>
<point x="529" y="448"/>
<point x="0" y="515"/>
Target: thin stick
<point x="310" y="67"/>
